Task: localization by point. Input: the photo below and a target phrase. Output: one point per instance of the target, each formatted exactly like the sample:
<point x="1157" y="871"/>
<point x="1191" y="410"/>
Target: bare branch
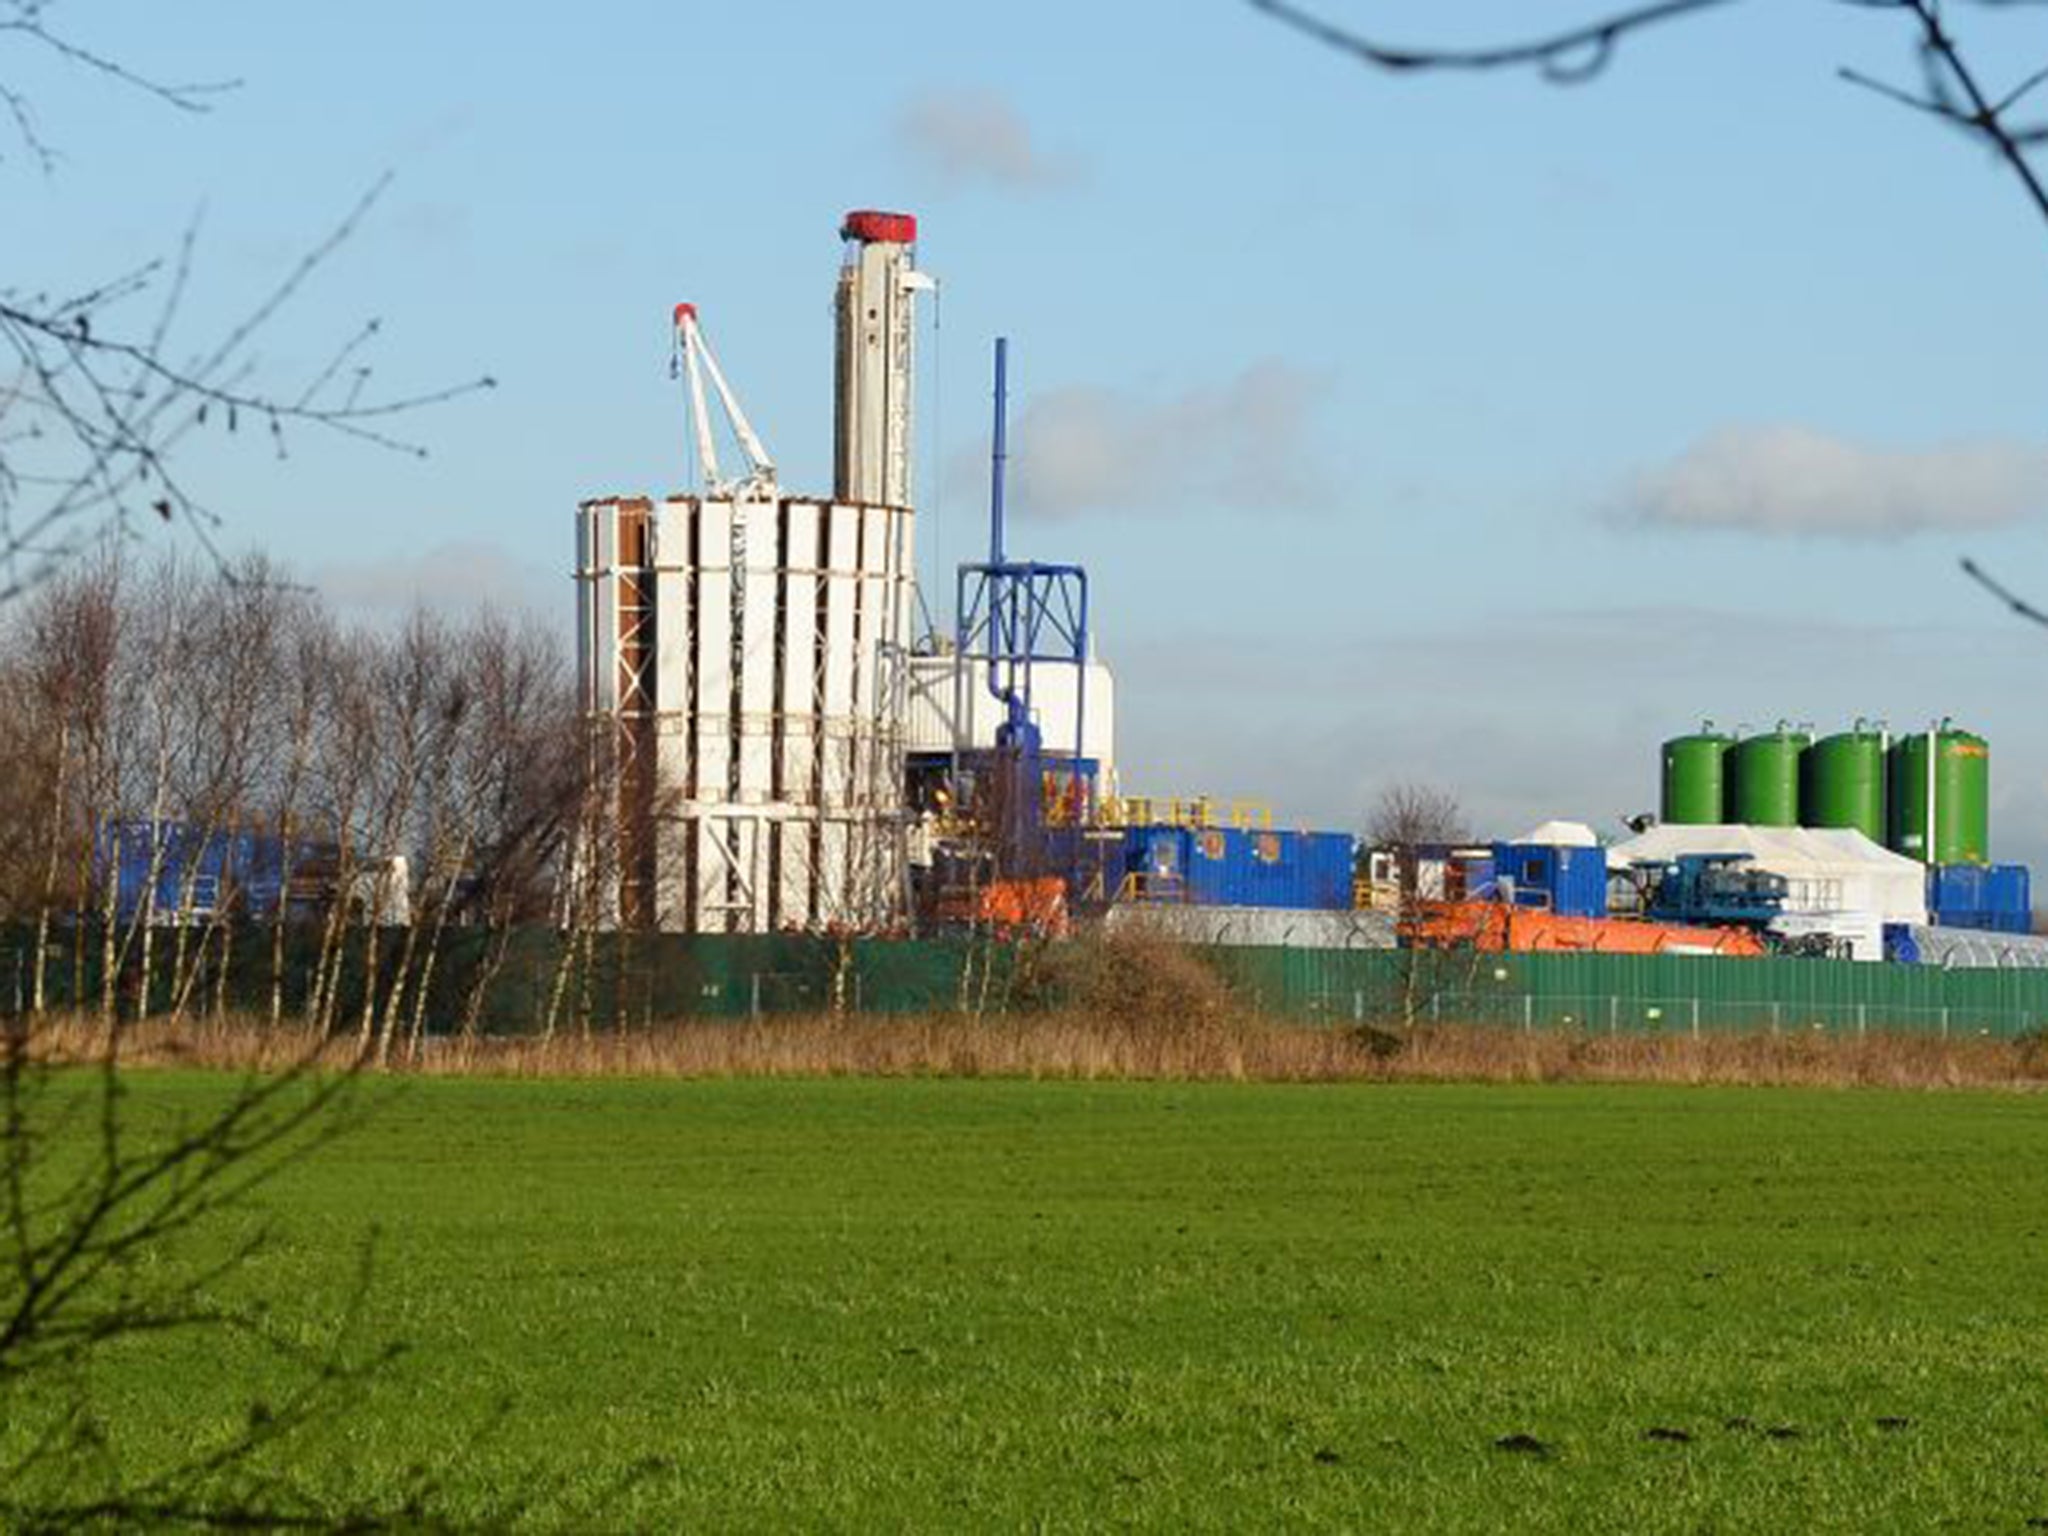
<point x="1898" y="95"/>
<point x="2012" y="600"/>
<point x="24" y="21"/>
<point x="1567" y="57"/>
<point x="101" y="412"/>
<point x="93" y="408"/>
<point x="1951" y="91"/>
<point x="1987" y="121"/>
<point x="2018" y="93"/>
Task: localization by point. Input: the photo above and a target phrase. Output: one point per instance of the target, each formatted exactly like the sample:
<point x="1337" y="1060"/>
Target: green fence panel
<point x="533" y="979"/>
<point x="1700" y="994"/>
<point x="1636" y="993"/>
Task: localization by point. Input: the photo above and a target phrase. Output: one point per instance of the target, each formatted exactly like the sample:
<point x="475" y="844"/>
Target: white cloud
<point x="964" y="137"/>
<point x="1785" y="479"/>
<point x="1244" y="444"/>
<point x="453" y="578"/>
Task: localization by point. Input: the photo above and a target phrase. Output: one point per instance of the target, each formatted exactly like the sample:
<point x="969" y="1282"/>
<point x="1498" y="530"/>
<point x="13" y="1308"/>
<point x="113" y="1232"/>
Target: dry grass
<point x="1135" y="978"/>
<point x="1094" y="1046"/>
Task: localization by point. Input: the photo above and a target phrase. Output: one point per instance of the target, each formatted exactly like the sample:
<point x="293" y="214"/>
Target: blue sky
<point x="1460" y="429"/>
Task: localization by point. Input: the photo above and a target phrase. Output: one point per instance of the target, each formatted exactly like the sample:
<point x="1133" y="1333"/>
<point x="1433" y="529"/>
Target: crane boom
<point x="698" y="359"/>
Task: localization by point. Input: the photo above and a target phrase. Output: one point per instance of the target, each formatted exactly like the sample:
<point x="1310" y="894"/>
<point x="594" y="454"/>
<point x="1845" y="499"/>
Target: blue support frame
<point x="1009" y="616"/>
<point x="1016" y="613"/>
<point x="1013" y="615"/>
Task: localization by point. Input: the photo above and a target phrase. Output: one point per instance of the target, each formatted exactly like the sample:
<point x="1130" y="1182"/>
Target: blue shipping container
<point x="1955" y="893"/>
<point x="1234" y="867"/>
<point x="2011" y="898"/>
<point x="1302" y="871"/>
<point x="1569" y="881"/>
<point x="1329" y="869"/>
<point x="1996" y="897"/>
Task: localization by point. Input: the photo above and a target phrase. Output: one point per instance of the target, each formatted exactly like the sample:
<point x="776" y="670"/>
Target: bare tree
<point x="1412" y="814"/>
<point x="520" y="778"/>
<point x="167" y="704"/>
<point x="188" y="708"/>
<point x="1409" y="817"/>
<point x="57" y="662"/>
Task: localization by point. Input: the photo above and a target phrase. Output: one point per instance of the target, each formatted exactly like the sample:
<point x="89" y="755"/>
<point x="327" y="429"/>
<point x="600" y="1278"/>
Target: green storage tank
<point x="1845" y="783"/>
<point x="1955" y="767"/>
<point x="1763" y="778"/>
<point x="1694" y="777"/>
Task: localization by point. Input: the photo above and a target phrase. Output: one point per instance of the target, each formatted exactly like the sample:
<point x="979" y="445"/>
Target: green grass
<point x="844" y="1304"/>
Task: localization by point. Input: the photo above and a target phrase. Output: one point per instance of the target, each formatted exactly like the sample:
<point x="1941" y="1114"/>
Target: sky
<point x="1470" y="431"/>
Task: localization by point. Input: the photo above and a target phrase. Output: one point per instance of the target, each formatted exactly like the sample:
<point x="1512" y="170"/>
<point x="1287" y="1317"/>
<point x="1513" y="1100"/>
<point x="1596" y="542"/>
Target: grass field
<point x="934" y="1304"/>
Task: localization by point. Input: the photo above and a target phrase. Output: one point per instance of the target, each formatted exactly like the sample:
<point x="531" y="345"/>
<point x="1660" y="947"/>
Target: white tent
<point x="1833" y="870"/>
<point x="1558" y="834"/>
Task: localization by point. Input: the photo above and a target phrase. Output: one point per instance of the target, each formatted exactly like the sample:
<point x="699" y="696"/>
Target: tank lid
<point x="871" y="226"/>
<point x="1706" y="732"/>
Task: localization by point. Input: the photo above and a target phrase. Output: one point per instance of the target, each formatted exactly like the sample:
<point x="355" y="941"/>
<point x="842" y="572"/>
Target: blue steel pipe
<point x="999" y="460"/>
<point x="1002" y="590"/>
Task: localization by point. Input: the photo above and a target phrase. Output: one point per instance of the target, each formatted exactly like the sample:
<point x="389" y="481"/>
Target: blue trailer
<point x="187" y="874"/>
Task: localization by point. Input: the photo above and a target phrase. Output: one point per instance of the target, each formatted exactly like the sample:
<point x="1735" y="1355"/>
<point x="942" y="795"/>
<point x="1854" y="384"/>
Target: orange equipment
<point x="1491" y="925"/>
<point x="1015" y="906"/>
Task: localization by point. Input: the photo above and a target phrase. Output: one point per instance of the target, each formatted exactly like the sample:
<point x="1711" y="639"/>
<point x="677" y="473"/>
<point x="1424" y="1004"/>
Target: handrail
<point x="1198" y="813"/>
<point x="1147" y="886"/>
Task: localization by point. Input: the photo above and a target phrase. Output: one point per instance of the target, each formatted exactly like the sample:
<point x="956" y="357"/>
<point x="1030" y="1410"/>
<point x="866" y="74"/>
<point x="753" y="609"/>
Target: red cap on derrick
<point x="685" y="311"/>
<point x="873" y="227"/>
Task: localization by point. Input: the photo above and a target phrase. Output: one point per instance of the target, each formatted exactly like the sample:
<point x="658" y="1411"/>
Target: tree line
<point x="396" y="781"/>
